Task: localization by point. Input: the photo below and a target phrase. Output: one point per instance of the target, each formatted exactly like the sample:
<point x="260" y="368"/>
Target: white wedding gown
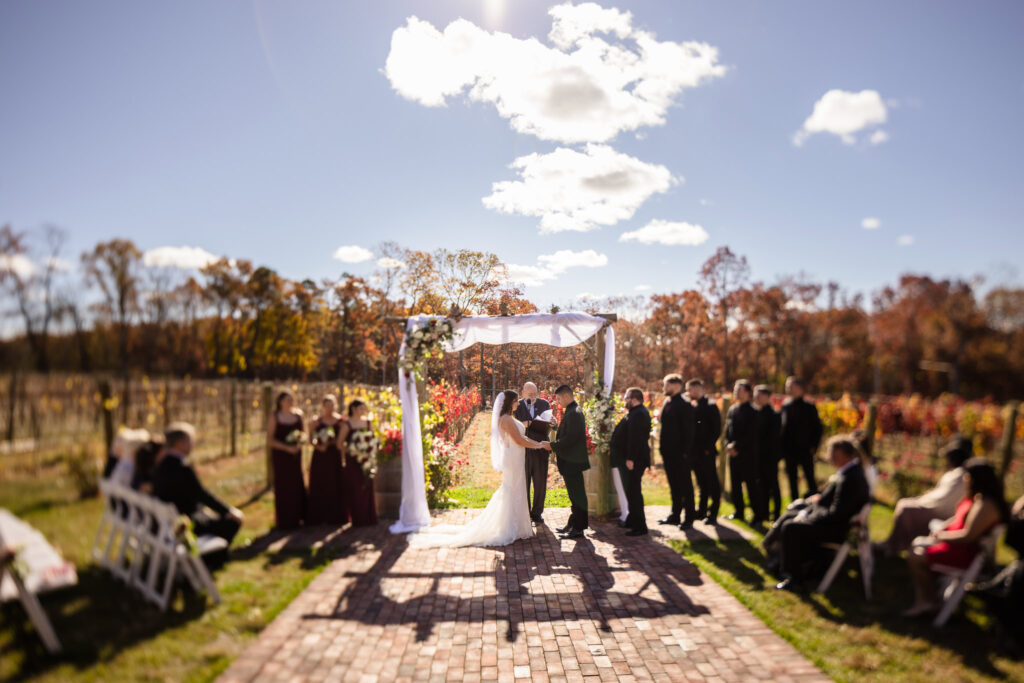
<point x="505" y="519"/>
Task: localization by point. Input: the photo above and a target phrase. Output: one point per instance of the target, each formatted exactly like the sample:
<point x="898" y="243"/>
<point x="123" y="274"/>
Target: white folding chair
<point x="954" y="581"/>
<point x="30" y="602"/>
<point x="859" y="526"/>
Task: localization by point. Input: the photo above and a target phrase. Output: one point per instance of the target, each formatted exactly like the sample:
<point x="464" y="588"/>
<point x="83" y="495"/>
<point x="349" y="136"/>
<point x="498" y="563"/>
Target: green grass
<point x="850" y="638"/>
<point x="109" y="632"/>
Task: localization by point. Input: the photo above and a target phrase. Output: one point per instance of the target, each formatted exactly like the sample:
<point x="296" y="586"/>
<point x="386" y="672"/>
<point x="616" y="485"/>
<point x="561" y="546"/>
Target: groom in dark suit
<point x="570" y="445"/>
<point x="530" y="408"/>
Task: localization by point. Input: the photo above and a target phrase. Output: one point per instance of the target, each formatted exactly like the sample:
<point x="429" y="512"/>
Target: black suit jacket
<point x="741" y="429"/>
<point x="801" y="428"/>
<point x="678" y="423"/>
<point x="709" y="427"/>
<point x="175" y="481"/>
<point x="570" y="444"/>
<point x="769" y="446"/>
<point x="841" y="500"/>
<point x="534" y="432"/>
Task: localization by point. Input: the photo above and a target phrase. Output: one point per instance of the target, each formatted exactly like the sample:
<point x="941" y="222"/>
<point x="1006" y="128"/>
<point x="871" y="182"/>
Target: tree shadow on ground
<point x="515" y="567"/>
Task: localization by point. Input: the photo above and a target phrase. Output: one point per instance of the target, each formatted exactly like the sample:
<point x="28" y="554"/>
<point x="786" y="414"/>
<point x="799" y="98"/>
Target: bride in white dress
<point x="507" y="516"/>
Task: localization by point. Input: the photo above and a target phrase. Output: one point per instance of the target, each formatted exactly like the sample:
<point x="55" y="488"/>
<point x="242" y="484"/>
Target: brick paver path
<point x="604" y="608"/>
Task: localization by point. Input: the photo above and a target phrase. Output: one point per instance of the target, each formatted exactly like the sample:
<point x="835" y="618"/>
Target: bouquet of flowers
<point x="296" y="437"/>
<point x="425" y="342"/>
<point x="324" y="435"/>
<point x="363" y="447"/>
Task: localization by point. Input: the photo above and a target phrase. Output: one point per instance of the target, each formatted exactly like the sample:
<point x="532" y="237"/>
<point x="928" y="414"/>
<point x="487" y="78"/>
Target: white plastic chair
<point x="859" y="524"/>
<point x="955" y="580"/>
<point x="141" y="548"/>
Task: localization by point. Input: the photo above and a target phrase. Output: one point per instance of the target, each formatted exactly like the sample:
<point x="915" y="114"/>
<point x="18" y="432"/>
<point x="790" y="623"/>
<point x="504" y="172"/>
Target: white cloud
<point x="667" y="233"/>
<point x="563" y="260"/>
<point x="878" y="137"/>
<point x="352" y="254"/>
<point x="871" y="223"/>
<point x="580" y="191"/>
<point x="388" y="263"/>
<point x="905" y="240"/>
<point x="17" y="264"/>
<point x="843" y="113"/>
<point x="598" y="77"/>
<point x="642" y="288"/>
<point x="550" y="266"/>
<point x="706" y="202"/>
<point x="186" y="258"/>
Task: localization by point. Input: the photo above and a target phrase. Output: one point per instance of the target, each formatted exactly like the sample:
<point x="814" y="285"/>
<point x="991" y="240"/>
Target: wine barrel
<point x="387" y="488"/>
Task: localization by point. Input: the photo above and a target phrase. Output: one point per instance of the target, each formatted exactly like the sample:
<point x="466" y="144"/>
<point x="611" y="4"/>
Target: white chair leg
<point x="36" y="614"/>
<point x="833" y="570"/>
<point x="950" y="604"/>
<point x="867" y="566"/>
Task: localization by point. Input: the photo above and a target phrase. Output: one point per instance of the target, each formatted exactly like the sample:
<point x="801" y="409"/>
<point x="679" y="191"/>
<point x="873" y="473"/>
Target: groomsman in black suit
<point x="742" y="426"/>
<point x="175" y="481"/>
<point x="801" y="435"/>
<point x="769" y="449"/>
<point x="637" y="459"/>
<point x="676" y="444"/>
<point x="570" y="445"/>
<point x="705" y="450"/>
<point x="530" y="408"/>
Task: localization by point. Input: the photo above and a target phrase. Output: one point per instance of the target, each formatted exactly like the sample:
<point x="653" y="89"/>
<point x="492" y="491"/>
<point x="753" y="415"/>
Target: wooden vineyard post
<point x="1006" y="443"/>
<point x="870" y="424"/>
<point x="268" y="408"/>
<point x="723" y="457"/>
<point x="234" y="416"/>
<point x="108" y="413"/>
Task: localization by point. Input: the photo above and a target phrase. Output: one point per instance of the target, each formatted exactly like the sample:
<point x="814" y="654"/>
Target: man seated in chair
<point x="825" y="519"/>
<point x="175" y="481"/>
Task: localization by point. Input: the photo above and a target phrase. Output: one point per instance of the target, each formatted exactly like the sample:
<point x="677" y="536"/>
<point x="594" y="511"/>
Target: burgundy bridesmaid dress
<point x="326" y="486"/>
<point x="362" y="506"/>
<point x="289" y="487"/>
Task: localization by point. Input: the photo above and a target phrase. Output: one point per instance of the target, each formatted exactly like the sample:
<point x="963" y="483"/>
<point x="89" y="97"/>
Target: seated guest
<point x="956" y="543"/>
<point x="1004" y="594"/>
<point x="826" y="518"/>
<point x="913" y="515"/>
<point x="129" y="441"/>
<point x="146" y="459"/>
<point x="175" y="481"/>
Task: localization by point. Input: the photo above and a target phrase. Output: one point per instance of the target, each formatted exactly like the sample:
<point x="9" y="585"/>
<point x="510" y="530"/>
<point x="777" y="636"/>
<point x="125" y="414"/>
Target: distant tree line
<point x="109" y="312"/>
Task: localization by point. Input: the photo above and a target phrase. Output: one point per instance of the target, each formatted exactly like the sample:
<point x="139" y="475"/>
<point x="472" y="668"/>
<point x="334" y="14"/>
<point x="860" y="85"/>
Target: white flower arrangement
<point x="423" y="343"/>
<point x="363" y="447"/>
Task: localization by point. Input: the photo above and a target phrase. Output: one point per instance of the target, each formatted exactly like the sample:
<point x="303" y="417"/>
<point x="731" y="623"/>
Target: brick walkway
<point x="604" y="608"/>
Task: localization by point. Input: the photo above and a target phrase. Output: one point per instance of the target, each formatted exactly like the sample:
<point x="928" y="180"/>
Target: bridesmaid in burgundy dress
<point x="362" y="506"/>
<point x="326" y="496"/>
<point x="284" y="431"/>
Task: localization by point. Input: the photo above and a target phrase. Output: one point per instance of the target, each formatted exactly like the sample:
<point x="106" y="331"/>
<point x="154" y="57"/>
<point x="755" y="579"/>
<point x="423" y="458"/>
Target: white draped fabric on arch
<point x="553" y="329"/>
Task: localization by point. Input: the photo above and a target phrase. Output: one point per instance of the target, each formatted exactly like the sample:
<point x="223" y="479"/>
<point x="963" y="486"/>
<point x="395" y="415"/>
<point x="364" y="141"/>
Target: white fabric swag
<point x="553" y="329"/>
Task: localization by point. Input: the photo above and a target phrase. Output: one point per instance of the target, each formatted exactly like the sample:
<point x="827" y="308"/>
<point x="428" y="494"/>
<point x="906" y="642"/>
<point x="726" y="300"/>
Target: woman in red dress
<point x="326" y="497"/>
<point x="956" y="543"/>
<point x="362" y="507"/>
<point x="285" y="435"/>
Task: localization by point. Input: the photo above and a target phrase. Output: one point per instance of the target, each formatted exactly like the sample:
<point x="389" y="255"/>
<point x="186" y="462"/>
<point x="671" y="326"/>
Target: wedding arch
<point x="552" y="329"/>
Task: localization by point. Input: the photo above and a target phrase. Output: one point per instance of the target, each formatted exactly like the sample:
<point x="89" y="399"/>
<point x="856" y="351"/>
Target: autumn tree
<point x="722" y="276"/>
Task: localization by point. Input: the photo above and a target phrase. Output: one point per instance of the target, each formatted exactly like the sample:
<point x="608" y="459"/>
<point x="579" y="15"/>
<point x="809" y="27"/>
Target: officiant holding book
<point x="535" y="414"/>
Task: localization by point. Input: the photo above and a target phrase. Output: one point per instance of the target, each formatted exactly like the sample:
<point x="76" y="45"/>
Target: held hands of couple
<point x="546" y="445"/>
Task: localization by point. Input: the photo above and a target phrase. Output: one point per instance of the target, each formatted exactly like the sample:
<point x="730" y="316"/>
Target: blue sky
<point x="273" y="132"/>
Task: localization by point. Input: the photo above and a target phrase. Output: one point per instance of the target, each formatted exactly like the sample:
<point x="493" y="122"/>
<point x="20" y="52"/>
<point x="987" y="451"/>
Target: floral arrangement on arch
<point x="602" y="413"/>
<point x="363" y="447"/>
<point x="424" y="342"/>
